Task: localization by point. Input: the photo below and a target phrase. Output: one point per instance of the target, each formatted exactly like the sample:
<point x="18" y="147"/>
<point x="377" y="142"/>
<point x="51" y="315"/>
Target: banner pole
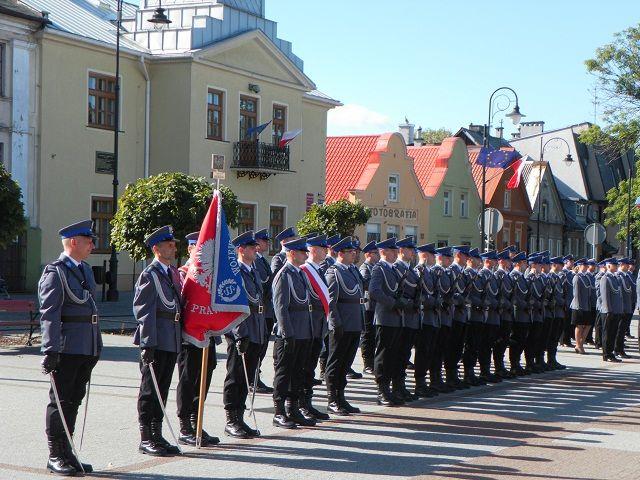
<point x="203" y="388"/>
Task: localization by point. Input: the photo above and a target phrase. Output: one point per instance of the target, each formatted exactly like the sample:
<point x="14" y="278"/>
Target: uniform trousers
<point x="545" y="335"/>
<point x="289" y="359"/>
<point x="407" y="340"/>
<point x="368" y="340"/>
<point x="556" y="331"/>
<point x="472" y="344"/>
<point x="342" y="351"/>
<point x="566" y="330"/>
<point x="425" y="344"/>
<point x="610" y="323"/>
<point x="435" y="370"/>
<point x="491" y="332"/>
<point x="597" y="330"/>
<point x="532" y="343"/>
<point x="71" y="377"/>
<point x="312" y="362"/>
<point x="502" y="342"/>
<point x="387" y="361"/>
<point x="265" y="346"/>
<point x="148" y="406"/>
<point x="518" y="340"/>
<point x="189" y="370"/>
<point x="623" y="327"/>
<point x="234" y="392"/>
<point x="455" y="345"/>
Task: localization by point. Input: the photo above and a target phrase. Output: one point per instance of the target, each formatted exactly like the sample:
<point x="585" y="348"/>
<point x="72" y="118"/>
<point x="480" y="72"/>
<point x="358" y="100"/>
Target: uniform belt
<point x="175" y="316"/>
<point x="256" y="308"/>
<point x="476" y="308"/>
<point x="300" y="308"/>
<point x="79" y="319"/>
<point x="359" y="301"/>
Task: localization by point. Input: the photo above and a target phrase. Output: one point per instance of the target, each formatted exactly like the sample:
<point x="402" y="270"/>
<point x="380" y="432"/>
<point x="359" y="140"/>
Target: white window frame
<point x="389" y="228"/>
<point x="506" y="229"/>
<point x="545" y="211"/>
<point x="259" y="121"/>
<point x="256" y="206"/>
<point x="551" y="252"/>
<point x="464" y="205"/>
<point x="378" y="230"/>
<point x="406" y="233"/>
<point x="286" y="118"/>
<point x="397" y="187"/>
<point x="446" y="203"/>
<point x="559" y="246"/>
<point x="517" y="234"/>
<point x="120" y="98"/>
<point x="581" y="209"/>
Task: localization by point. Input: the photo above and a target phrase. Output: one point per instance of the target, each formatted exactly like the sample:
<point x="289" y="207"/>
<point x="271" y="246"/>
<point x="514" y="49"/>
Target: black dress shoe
<point x="148" y="445"/>
<point x="345" y="404"/>
<point x="282" y="421"/>
<point x="367" y="370"/>
<point x="233" y="427"/>
<point x="336" y="409"/>
<point x="353" y="375"/>
<point x="385" y="399"/>
<point x="295" y="415"/>
<point x="622" y="355"/>
<point x="58" y="462"/>
<point x="73" y="460"/>
<point x="315" y="412"/>
<point x="262" y="388"/>
<point x="207" y="440"/>
<point x="423" y="391"/>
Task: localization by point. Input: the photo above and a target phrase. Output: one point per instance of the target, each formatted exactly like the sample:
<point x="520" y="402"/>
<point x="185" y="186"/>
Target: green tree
<point x="12" y="221"/>
<point x="173" y="199"/>
<point x="341" y="217"/>
<point x="615" y="213"/>
<point x="435" y="136"/>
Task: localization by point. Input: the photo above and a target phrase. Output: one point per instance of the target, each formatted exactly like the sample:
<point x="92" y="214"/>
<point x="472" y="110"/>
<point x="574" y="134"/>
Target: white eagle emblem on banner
<point x="202" y="267"/>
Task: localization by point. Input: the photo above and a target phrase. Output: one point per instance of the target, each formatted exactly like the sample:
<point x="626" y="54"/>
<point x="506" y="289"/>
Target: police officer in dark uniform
<point x="445" y="293"/>
<point x="521" y="313"/>
<point x="266" y="275"/>
<point x="294" y="332"/>
<point x="611" y="306"/>
<point x="189" y="373"/>
<point x="475" y="328"/>
<point x="329" y="260"/>
<point x="491" y="315"/>
<point x="244" y="342"/>
<point x="455" y="346"/>
<point x="279" y="259"/>
<point x="536" y="296"/>
<point x="368" y="337"/>
<point x="71" y="340"/>
<point x="505" y="310"/>
<point x="567" y="284"/>
<point x="157" y="309"/>
<point x="559" y="313"/>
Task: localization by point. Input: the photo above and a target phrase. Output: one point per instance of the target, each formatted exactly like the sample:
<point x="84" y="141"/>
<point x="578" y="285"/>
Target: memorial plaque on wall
<point x="105" y="162"/>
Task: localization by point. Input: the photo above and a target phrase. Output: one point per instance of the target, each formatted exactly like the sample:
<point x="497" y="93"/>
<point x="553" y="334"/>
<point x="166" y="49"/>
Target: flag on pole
<point x="514" y="181"/>
<point x="257" y="130"/>
<point x="318" y="285"/>
<point x="496" y="158"/>
<point x="215" y="299"/>
<point x="287" y="137"/>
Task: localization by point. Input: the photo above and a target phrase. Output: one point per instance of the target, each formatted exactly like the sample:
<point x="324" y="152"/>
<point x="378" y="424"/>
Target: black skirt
<point x="581" y="317"/>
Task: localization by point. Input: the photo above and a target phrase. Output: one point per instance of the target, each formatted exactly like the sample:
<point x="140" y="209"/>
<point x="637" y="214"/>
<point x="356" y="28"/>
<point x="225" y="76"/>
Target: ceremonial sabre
<point x="86" y="407"/>
<point x="63" y="420"/>
<point x="246" y="377"/>
<point x="164" y="412"/>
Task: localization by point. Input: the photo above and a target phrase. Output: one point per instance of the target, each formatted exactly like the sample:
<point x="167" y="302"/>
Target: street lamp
<point x="159" y="21"/>
<point x="629" y="208"/>
<point x="515" y="116"/>
<point x="568" y="160"/>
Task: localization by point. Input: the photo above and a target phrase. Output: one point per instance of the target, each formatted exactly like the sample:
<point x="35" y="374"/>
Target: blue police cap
<point x="567" y="258"/>
<point x="333" y="239"/>
<point x="246" y="238"/>
<point x="369" y="247"/>
<point x="557" y="261"/>
<point x="519" y="257"/>
<point x="262" y="234"/>
<point x="427" y="248"/>
<point x="504" y="254"/>
<point x="490" y="255"/>
<point x="581" y="261"/>
<point x="512" y="249"/>
<point x="356" y="243"/>
<point x="474" y="253"/>
<point x="611" y="261"/>
<point x="298" y="244"/>
<point x="286" y="233"/>
<point x="601" y="263"/>
<point x="78" y="229"/>
<point x="537" y="259"/>
<point x="592" y="261"/>
<point x="406" y="242"/>
<point x="163" y="234"/>
<point x="625" y="261"/>
<point x="464" y="249"/>
<point x="311" y="235"/>
<point x="443" y="251"/>
<point x="388" y="243"/>
<point x="317" y="241"/>
<point x="345" y="244"/>
<point x="192" y="238"/>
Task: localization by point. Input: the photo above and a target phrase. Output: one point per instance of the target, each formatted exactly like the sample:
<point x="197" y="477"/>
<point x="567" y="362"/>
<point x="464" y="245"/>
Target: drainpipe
<point x="147" y="108"/>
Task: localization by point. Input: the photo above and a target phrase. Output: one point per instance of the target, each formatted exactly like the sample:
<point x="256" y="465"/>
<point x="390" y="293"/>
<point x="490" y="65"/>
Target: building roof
<point x="15" y="9"/>
<point x="474" y="137"/>
<point x="493" y="175"/>
<point x="430" y="164"/>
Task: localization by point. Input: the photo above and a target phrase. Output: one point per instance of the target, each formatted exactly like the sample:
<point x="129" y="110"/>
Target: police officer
<point x="445" y="289"/>
<point x="505" y="310"/>
<point x="279" y="259"/>
<point x="475" y="328"/>
<point x="559" y="313"/>
<point x="598" y="334"/>
<point x="368" y="337"/>
<point x="455" y="345"/>
<point x="581" y="304"/>
<point x="189" y="372"/>
<point x="410" y="313"/>
<point x="430" y="323"/>
<point x="612" y="308"/>
<point x="567" y="276"/>
<point x="346" y="319"/>
<point x="294" y="331"/>
<point x="157" y="309"/>
<point x="628" y="298"/>
<point x="71" y="340"/>
<point x="536" y="296"/>
<point x="329" y="260"/>
<point x="492" y="316"/>
<point x="384" y="289"/>
<point x="244" y="342"/>
<point x="521" y="314"/>
<point x="263" y="268"/>
<point x="592" y="266"/>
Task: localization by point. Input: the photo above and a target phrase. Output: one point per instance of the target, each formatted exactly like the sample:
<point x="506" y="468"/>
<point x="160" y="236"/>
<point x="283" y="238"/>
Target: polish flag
<point x="518" y="167"/>
<point x="287" y="137"/>
<point x="318" y="285"/>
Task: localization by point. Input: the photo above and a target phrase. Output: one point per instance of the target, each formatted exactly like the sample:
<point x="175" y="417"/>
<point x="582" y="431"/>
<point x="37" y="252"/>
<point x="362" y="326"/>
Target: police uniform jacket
<point x="549" y="298"/>
<point x="318" y="317"/>
<point x="383" y="289"/>
<point x="266" y="277"/>
<point x="326" y="263"/>
<point x="365" y="272"/>
<point x="492" y="296"/>
<point x="559" y="295"/>
<point x="593" y="294"/>
<point x="476" y="296"/>
<point x="567" y="284"/>
<point x="626" y="285"/>
<point x="521" y="297"/>
<point x="291" y="304"/>
<point x="410" y="291"/>
<point x="505" y="297"/>
<point x="536" y="294"/>
<point x="598" y="295"/>
<point x="611" y="294"/>
<point x="346" y="306"/>
<point x="581" y="293"/>
<point x="69" y="321"/>
<point x="444" y="289"/>
<point x="278" y="261"/>
<point x="429" y="295"/>
<point x="254" y="327"/>
<point x="157" y="309"/>
<point x="460" y="291"/>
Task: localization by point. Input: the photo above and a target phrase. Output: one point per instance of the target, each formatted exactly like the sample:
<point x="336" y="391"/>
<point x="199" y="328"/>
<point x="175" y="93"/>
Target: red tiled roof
<point x="493" y="175"/>
<point x="351" y="163"/>
<point x="430" y="164"/>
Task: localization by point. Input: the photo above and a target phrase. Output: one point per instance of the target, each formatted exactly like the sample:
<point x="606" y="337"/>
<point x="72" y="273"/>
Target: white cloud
<point x="352" y="119"/>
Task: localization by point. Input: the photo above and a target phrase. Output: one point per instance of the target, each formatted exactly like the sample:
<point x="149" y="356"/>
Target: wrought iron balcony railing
<point x="259" y="159"/>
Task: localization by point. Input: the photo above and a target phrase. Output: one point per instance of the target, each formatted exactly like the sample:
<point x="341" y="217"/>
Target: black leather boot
<point x="452" y="379"/>
<point x="147" y="445"/>
<point x="422" y="390"/>
<point x="384" y="396"/>
<point x="280" y="418"/>
<point x="334" y="406"/>
<point x="304" y="409"/>
<point x="346" y="405"/>
<point x="207" y="440"/>
<point x="314" y="411"/>
<point x="58" y="462"/>
<point x="252" y="432"/>
<point x="73" y="461"/>
<point x="156" y="435"/>
<point x="487" y="376"/>
<point x="292" y="407"/>
<point x="323" y="366"/>
<point x="471" y="378"/>
<point x="187" y="433"/>
<point x="233" y="428"/>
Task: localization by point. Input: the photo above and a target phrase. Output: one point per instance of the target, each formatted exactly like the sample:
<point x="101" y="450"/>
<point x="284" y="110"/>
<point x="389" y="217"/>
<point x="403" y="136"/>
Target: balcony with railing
<point x="259" y="160"/>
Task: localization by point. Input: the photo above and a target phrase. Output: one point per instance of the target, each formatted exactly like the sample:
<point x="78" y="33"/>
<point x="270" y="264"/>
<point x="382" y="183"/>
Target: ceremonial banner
<point x="497" y="158"/>
<point x="514" y="181"/>
<point x="213" y="290"/>
<point x="287" y="137"/>
<point x="319" y="287"/>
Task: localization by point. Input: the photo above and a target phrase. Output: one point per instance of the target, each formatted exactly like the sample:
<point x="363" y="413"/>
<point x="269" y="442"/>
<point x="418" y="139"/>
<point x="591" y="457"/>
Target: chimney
<point x="528" y="129"/>
<point x="500" y="131"/>
<point x="407" y="131"/>
<point x="418" y="141"/>
<point x="476" y="128"/>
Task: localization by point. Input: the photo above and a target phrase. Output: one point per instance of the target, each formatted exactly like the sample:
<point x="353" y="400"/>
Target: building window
<point x="506" y="234"/>
<point x="532" y="244"/>
<point x="279" y="122"/>
<point x="3" y="62"/>
<point x="559" y="246"/>
<point x="464" y="211"/>
<point x="276" y="225"/>
<point x="518" y="236"/>
<point x="466" y="242"/>
<point x="446" y="197"/>
<point x="1" y="153"/>
<point x="394" y="180"/>
<point x="392" y="231"/>
<point x="507" y="199"/>
<point x="442" y="243"/>
<point x="247" y="218"/>
<point x="550" y="248"/>
<point x="411" y="231"/>
<point x="581" y="209"/>
<point x="373" y="232"/>
<point x="545" y="211"/>
<point x="215" y="114"/>
<point x="248" y="115"/>
<point x="541" y="243"/>
<point x="101" y="214"/>
<point x="102" y="101"/>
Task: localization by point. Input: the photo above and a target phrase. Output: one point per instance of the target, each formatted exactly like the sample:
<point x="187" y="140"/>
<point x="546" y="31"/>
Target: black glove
<point x="289" y="344"/>
<point x="146" y="355"/>
<point x="242" y="344"/>
<point x="50" y="362"/>
<point x="338" y="331"/>
<point x="401" y="303"/>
